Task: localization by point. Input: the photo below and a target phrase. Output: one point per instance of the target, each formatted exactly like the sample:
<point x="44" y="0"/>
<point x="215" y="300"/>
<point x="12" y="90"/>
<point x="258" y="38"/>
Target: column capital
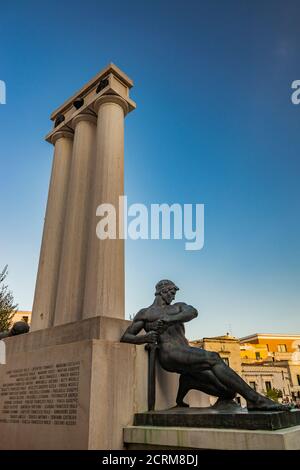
<point x="67" y="133"/>
<point x="110" y="82"/>
<point x="84" y="116"/>
<point x="111" y="99"/>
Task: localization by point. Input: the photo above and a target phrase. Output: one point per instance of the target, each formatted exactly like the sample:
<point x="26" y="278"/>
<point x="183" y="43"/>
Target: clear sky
<point x="214" y="124"/>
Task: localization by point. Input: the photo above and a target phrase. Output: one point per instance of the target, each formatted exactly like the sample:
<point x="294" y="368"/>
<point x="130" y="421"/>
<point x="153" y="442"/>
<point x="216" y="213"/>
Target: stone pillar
<point x="79" y="275"/>
<point x="46" y="284"/>
<point x="104" y="291"/>
<point x="70" y="291"/>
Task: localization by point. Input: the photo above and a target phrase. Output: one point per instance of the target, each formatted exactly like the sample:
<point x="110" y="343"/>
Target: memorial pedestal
<point x="75" y="386"/>
<point x="207" y="428"/>
<point x="211" y="418"/>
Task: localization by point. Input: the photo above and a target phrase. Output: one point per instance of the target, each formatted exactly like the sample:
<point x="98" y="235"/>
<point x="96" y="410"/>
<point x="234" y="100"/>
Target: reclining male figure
<point x="201" y="370"/>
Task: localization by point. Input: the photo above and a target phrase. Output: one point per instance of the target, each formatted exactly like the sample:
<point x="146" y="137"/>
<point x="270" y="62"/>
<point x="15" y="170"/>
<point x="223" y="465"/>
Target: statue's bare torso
<point x="174" y="352"/>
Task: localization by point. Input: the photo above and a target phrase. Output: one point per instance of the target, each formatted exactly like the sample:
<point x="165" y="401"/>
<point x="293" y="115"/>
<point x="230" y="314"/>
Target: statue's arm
<point x="180" y="313"/>
<point x="131" y="335"/>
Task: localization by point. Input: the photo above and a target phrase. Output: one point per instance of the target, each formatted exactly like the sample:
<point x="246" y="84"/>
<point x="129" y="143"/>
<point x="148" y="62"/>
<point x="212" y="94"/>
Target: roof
<point x="244" y="339"/>
<point x="226" y="337"/>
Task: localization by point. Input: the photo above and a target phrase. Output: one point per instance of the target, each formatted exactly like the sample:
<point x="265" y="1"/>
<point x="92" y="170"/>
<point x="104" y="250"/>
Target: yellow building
<point x="22" y="315"/>
<point x="277" y="349"/>
<point x="251" y="353"/>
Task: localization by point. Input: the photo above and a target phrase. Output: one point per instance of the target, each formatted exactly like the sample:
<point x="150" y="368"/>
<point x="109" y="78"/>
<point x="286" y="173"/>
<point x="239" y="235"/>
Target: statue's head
<point x="167" y="290"/>
<point x="19" y="328"/>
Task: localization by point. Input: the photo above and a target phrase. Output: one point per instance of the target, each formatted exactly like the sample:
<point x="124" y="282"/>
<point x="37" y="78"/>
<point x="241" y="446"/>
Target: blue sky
<point x="214" y="124"/>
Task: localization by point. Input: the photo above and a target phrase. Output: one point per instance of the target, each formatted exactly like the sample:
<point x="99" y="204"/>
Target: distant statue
<point x="163" y="323"/>
<point x="18" y="328"/>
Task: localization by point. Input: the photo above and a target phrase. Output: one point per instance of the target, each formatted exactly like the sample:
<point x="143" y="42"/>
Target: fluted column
<point x="104" y="291"/>
<point x="72" y="272"/>
<point x="47" y="277"/>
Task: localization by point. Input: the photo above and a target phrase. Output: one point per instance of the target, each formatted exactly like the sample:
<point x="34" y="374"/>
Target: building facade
<point x="267" y="362"/>
<point x="282" y="351"/>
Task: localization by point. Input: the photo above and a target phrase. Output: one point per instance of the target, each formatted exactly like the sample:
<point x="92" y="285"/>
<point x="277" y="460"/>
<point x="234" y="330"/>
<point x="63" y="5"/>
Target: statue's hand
<point x="151" y="337"/>
<point x="159" y="326"/>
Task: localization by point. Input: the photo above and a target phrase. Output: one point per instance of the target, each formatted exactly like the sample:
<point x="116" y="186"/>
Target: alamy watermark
<point x="159" y="221"/>
<point x="2" y="352"/>
<point x="2" y="92"/>
<point x="295" y="96"/>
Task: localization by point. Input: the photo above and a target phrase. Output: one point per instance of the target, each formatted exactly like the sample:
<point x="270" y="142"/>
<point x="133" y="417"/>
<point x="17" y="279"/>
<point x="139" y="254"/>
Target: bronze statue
<point x="18" y="328"/>
<point x="163" y="323"/>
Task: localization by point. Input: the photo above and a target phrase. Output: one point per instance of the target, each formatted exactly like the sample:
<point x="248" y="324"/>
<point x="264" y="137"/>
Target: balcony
<point x="282" y="356"/>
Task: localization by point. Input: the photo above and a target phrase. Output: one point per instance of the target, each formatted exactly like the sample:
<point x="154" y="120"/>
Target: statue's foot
<point x="264" y="404"/>
<point x="182" y="404"/>
<point x="225" y="404"/>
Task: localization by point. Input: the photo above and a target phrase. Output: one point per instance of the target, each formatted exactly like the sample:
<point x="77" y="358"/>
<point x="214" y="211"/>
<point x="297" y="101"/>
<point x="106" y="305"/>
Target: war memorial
<point x="83" y="377"/>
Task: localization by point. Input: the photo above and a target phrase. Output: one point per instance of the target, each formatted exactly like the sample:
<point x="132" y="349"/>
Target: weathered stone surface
<point x="37" y="400"/>
<point x="100" y="327"/>
<point x="211" y="418"/>
<point x="151" y="437"/>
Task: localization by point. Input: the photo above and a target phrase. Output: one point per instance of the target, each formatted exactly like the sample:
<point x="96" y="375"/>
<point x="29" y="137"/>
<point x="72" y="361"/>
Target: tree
<point x="7" y="306"/>
<point x="274" y="394"/>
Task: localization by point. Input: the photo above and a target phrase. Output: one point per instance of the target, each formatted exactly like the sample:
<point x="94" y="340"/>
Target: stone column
<point x="104" y="290"/>
<point x="69" y="302"/>
<point x="46" y="284"/>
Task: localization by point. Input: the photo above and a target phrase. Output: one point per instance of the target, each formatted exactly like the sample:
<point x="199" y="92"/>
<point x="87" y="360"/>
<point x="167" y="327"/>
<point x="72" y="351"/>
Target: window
<point x="281" y="347"/>
<point x="257" y="356"/>
<point x="226" y="360"/>
<point x="253" y="385"/>
<point x="268" y="385"/>
<point x="298" y="379"/>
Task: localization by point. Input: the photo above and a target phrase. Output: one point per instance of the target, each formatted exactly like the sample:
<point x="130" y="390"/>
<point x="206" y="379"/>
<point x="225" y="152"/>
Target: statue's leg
<point x="208" y="383"/>
<point x="183" y="389"/>
<point x="230" y="379"/>
<point x="205" y="382"/>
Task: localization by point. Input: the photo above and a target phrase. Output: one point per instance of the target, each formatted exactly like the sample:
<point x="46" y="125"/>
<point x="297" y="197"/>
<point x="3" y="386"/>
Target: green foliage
<point x="274" y="394"/>
<point x="7" y="306"/>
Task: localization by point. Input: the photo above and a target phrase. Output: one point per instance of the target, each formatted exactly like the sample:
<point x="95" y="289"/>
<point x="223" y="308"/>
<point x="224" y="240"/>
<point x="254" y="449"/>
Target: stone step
<point x="162" y="438"/>
<point x="211" y="417"/>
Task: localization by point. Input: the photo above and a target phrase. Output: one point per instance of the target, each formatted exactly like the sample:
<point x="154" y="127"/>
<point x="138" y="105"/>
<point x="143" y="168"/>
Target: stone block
<point x="154" y="437"/>
<point x="211" y="418"/>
